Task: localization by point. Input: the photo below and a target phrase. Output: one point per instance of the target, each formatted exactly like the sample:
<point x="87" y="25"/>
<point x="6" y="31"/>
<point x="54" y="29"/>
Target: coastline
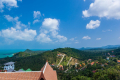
<point x="10" y="53"/>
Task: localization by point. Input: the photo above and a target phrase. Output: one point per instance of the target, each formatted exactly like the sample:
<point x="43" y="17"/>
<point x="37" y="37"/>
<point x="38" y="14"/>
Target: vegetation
<point x="102" y="69"/>
<point x="27" y="53"/>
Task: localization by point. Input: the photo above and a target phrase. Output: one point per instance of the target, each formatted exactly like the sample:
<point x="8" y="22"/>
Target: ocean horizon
<point x="9" y="52"/>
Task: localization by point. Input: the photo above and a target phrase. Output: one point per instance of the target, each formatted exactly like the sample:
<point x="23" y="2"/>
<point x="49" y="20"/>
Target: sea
<point x="9" y="53"/>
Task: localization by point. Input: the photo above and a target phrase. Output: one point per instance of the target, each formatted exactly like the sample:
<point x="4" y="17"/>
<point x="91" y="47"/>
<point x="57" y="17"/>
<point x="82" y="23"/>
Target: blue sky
<point x="49" y="24"/>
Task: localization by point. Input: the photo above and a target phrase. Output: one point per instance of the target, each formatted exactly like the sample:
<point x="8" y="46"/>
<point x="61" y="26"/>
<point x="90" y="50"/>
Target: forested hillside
<point x="39" y="60"/>
<point x="27" y="53"/>
<point x="84" y="69"/>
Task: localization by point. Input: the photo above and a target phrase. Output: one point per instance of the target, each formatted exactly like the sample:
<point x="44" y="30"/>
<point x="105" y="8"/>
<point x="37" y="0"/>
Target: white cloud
<point x="16" y="33"/>
<point x="43" y="38"/>
<point x="93" y="24"/>
<point x="36" y="14"/>
<point x="72" y="39"/>
<point x="12" y="33"/>
<point x="86" y="37"/>
<point x="61" y="38"/>
<point x="9" y="18"/>
<point x="18" y="24"/>
<point x="19" y="0"/>
<point x="35" y="21"/>
<point x="51" y="27"/>
<point x="8" y="4"/>
<point x="84" y="0"/>
<point x="50" y="24"/>
<point x="104" y="8"/>
<point x="106" y="30"/>
<point x="98" y="39"/>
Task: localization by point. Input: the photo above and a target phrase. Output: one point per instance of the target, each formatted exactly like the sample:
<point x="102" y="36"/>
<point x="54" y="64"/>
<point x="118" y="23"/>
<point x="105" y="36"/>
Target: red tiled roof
<point x="46" y="73"/>
<point x="20" y="75"/>
<point x="89" y="59"/>
<point x="92" y="63"/>
<point x="49" y="73"/>
<point x="118" y="60"/>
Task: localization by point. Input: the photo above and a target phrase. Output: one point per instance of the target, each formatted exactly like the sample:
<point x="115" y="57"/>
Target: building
<point x="9" y="66"/>
<point x="59" y="54"/>
<point x="46" y="73"/>
<point x="118" y="61"/>
<point x="76" y="65"/>
<point x="61" y="67"/>
<point x="89" y="60"/>
<point x="107" y="58"/>
<point x="92" y="63"/>
<point x="102" y="65"/>
<point x="112" y="55"/>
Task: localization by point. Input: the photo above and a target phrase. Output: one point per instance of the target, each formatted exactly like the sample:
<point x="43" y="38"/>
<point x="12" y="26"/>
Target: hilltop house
<point x="89" y="60"/>
<point x="107" y="58"/>
<point x="102" y="65"/>
<point x="46" y="73"/>
<point x="92" y="63"/>
<point x="9" y="66"/>
<point x="76" y="65"/>
<point x="61" y="67"/>
<point x="59" y="54"/>
<point x="118" y="61"/>
<point x="112" y="55"/>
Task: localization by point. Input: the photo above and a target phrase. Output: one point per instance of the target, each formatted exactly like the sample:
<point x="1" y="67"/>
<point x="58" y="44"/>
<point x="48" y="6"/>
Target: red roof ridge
<point x="45" y="67"/>
<point x="21" y="72"/>
<point x="47" y="73"/>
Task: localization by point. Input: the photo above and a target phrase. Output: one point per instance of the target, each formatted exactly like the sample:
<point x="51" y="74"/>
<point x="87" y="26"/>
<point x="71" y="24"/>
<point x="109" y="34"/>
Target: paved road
<point x="61" y="60"/>
<point x="69" y="61"/>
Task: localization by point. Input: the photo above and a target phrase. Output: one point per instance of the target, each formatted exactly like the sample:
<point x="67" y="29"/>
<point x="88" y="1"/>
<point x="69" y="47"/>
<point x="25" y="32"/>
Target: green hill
<point x="27" y="53"/>
<point x="37" y="61"/>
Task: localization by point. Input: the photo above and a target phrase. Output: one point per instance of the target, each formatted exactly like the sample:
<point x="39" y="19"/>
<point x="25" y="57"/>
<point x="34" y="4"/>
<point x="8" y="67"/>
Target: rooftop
<point x="9" y="63"/>
<point x="47" y="73"/>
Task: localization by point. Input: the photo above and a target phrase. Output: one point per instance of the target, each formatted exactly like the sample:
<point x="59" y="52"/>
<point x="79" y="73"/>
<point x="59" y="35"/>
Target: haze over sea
<point x="9" y="53"/>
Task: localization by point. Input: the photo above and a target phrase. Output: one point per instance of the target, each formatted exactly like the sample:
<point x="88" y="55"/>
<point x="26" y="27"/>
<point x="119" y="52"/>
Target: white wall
<point x="9" y="67"/>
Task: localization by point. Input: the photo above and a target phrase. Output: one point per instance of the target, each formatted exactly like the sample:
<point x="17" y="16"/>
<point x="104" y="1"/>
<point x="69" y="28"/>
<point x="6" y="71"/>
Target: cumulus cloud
<point x="51" y="26"/>
<point x="9" y="18"/>
<point x="12" y="33"/>
<point x="8" y="4"/>
<point x="16" y="33"/>
<point x="104" y="8"/>
<point x="43" y="38"/>
<point x="93" y="24"/>
<point x="84" y="0"/>
<point x="98" y="39"/>
<point x="36" y="14"/>
<point x="86" y="37"/>
<point x="35" y="21"/>
<point x="18" y="24"/>
<point x="61" y="38"/>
